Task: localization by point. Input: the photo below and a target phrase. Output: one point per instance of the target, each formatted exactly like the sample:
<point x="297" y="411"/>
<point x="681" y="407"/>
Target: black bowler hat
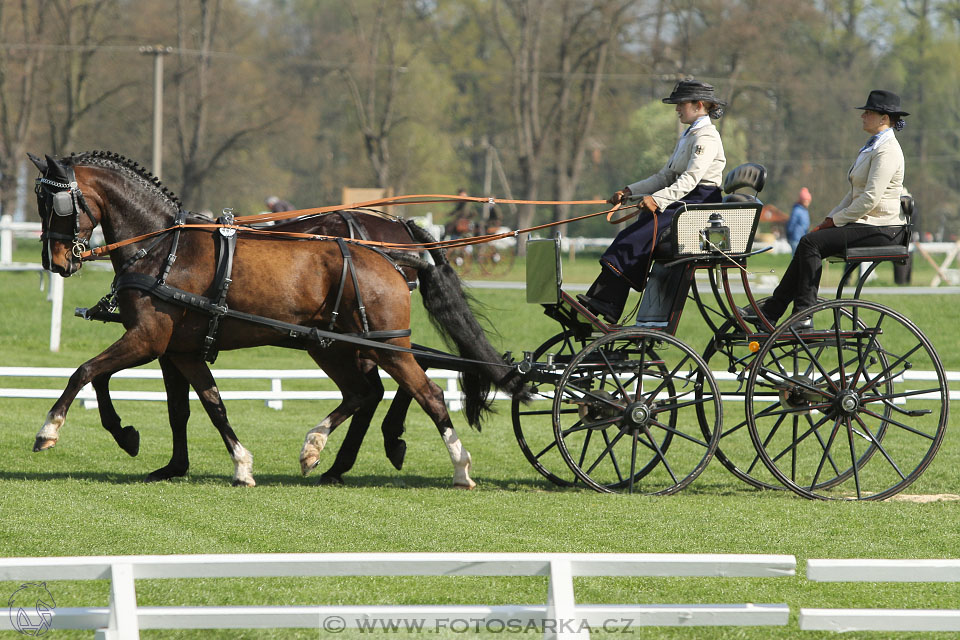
<point x="884" y="102"/>
<point x="692" y="91"/>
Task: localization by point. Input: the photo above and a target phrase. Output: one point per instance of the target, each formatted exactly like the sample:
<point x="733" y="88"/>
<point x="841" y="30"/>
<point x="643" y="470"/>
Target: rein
<point x="395" y="200"/>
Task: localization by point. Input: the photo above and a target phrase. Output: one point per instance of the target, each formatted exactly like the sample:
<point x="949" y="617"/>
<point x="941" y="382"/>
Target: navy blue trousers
<point x="626" y="262"/>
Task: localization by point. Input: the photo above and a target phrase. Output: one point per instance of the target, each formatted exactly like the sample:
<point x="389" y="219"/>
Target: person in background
<point x="869" y="215"/>
<point x="276" y="205"/>
<point x="692" y="174"/>
<point x="799" y="222"/>
<point x="461" y="218"/>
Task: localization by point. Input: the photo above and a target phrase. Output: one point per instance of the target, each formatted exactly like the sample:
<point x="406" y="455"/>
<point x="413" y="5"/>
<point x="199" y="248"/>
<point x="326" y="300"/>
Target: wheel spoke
<point x="660" y="455"/>
<point x="880" y="448"/>
<point x="826" y="453"/>
<point x="607" y="451"/>
<point x="773" y="432"/>
<point x="797" y="381"/>
<point x="853" y="458"/>
<point x="679" y="433"/>
<point x="888" y="369"/>
<point x="897" y="423"/>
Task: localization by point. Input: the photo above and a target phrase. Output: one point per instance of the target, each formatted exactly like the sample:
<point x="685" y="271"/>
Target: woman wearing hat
<point x="692" y="174"/>
<point x="869" y="215"/>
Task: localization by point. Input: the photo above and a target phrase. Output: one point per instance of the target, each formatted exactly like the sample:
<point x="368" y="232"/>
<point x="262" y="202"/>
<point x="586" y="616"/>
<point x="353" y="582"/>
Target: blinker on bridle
<point x="68" y="201"/>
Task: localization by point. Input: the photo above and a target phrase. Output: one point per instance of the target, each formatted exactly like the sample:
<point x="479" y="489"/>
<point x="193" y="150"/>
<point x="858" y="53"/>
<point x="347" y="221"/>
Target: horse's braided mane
<point x="113" y="160"/>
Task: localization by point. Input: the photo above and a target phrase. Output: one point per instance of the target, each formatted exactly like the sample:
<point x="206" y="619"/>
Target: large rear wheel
<point x="862" y="411"/>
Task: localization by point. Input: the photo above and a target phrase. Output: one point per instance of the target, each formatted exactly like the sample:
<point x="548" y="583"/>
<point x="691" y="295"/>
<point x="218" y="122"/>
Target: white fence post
<point x="6" y="239"/>
<point x="56" y="311"/>
<point x="561" y="622"/>
<point x="276" y="386"/>
<point x="123" y="623"/>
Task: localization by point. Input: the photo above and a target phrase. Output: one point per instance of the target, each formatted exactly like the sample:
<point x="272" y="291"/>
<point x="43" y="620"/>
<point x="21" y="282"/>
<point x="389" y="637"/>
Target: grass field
<point x="86" y="497"/>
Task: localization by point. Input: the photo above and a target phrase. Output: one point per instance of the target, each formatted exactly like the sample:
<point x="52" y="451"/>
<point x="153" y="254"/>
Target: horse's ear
<point x="40" y="164"/>
<point x="55" y="169"/>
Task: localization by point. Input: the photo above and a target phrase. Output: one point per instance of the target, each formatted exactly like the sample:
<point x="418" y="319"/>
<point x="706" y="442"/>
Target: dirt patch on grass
<point x="932" y="497"/>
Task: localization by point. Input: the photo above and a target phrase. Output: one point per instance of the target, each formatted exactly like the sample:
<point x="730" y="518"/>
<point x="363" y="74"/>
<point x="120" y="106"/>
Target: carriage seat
<point x="667" y="286"/>
<point x="897" y="253"/>
<point x="749" y="175"/>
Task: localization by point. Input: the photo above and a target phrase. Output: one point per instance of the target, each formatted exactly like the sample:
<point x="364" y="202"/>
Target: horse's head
<point x="66" y="216"/>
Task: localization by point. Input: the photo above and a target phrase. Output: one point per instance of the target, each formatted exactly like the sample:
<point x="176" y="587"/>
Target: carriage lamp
<point x="716" y="236"/>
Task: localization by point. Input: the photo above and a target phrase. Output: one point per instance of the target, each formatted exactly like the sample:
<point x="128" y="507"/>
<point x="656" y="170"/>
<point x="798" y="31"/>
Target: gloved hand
<point x="619" y="196"/>
<point x="647" y="203"/>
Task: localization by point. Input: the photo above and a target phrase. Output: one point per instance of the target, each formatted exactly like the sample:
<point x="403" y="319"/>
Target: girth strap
<point x="348" y="267"/>
<point x="226" y="247"/>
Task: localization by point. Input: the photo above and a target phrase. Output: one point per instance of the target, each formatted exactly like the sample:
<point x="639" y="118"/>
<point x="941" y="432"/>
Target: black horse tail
<point x="451" y="313"/>
<point x="419" y="235"/>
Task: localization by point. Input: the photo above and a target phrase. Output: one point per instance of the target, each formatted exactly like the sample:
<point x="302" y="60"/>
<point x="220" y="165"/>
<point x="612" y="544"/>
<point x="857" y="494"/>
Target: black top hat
<point x="692" y="91"/>
<point x="884" y="102"/>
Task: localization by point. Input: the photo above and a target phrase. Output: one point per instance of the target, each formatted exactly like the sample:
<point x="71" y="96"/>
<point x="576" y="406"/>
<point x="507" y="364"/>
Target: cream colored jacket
<point x="697" y="159"/>
<point x="876" y="181"/>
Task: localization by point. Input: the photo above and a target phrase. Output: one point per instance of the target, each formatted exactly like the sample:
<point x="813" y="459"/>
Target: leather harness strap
<point x="348" y="267"/>
<point x="226" y="247"/>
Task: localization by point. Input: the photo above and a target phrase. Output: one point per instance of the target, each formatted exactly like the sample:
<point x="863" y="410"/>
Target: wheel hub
<point x="848" y="402"/>
<point x="594" y="409"/>
<point x="637" y="414"/>
<point x="796" y="395"/>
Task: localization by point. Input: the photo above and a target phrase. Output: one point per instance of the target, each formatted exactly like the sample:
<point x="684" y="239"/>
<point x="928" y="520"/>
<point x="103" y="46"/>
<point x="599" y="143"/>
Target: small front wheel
<point x="637" y="411"/>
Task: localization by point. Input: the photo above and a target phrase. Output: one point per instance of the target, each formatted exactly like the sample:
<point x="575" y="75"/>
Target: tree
<point x="204" y="143"/>
<point x="586" y="34"/>
<point x="83" y="29"/>
<point x="22" y="32"/>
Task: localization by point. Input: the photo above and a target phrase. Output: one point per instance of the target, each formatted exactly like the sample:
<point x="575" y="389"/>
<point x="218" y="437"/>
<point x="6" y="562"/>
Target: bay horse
<point x="300" y="283"/>
<point x="354" y="223"/>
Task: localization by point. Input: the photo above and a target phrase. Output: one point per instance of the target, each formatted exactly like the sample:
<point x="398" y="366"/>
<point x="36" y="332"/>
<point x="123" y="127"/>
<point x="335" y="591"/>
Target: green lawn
<point x="85" y="497"/>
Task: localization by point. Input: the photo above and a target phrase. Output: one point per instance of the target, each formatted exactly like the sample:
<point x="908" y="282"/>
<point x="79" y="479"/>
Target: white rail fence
<point x="942" y="570"/>
<point x="560" y="617"/>
<point x="275" y="396"/>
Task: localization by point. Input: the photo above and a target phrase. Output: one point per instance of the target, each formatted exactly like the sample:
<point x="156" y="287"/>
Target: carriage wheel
<point x="533" y="423"/>
<point x="461" y="258"/>
<point x="494" y="262"/>
<point x="636" y="395"/>
<point x="735" y="449"/>
<point x="862" y="413"/>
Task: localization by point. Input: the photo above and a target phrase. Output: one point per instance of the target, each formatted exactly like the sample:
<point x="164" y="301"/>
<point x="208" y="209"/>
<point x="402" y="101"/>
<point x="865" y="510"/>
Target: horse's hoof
<point x="466" y="487"/>
<point x="330" y="480"/>
<point x="244" y="482"/>
<point x="130" y="441"/>
<point x="165" y="473"/>
<point x="396" y="453"/>
<point x="42" y="444"/>
<point x="308" y="462"/>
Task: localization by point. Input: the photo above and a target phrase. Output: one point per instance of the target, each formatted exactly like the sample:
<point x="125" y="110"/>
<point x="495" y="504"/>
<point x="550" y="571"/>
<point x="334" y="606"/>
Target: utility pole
<point x="157" y="52"/>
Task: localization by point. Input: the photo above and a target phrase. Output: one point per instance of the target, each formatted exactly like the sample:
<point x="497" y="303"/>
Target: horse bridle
<point x="67" y="201"/>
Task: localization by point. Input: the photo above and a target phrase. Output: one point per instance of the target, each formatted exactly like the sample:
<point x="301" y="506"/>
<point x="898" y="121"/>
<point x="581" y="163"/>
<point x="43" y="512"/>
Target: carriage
<point x="853" y="407"/>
